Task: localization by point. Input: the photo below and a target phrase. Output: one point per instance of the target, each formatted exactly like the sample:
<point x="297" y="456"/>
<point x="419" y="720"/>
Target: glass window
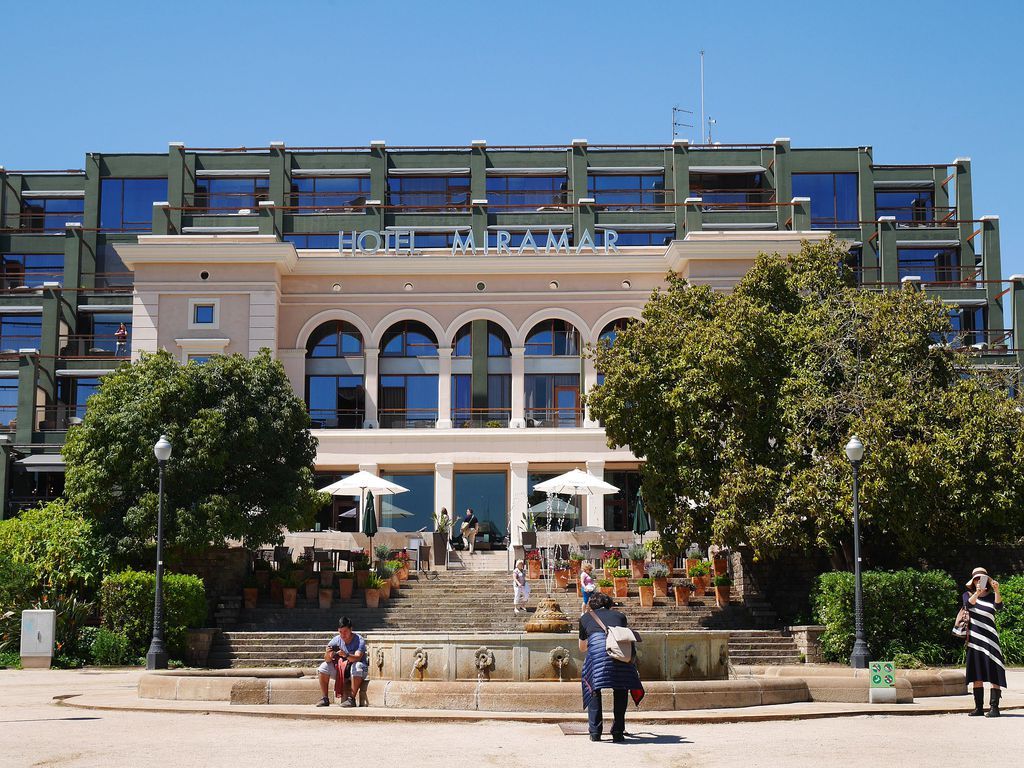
<point x="412" y="510"/>
<point x="624" y="191"/>
<point x="562" y="513"/>
<point x="228" y="195"/>
<point x="463" y="346"/>
<point x="20" y="332"/>
<point x="498" y="344"/>
<point x="428" y="192"/>
<point x="553" y="400"/>
<point x="730" y="188"/>
<point x="321" y="241"/>
<point x="486" y="493"/>
<point x="74" y="392"/>
<point x="8" y="402"/>
<point x="552" y="338"/>
<point x="335" y="338"/>
<point x="906" y="205"/>
<point x="930" y="264"/>
<point x="49" y="214"/>
<point x="126" y="205"/>
<point x="620" y="507"/>
<point x="409" y="338"/>
<point x="610" y="331"/>
<point x="31" y="270"/>
<point x="100" y="332"/>
<point x="527" y="193"/>
<point x="833" y="198"/>
<point x="499" y="393"/>
<point x="199" y="359"/>
<point x="203" y="314"/>
<point x="312" y="194"/>
<point x="336" y="402"/>
<point x="969" y="324"/>
<point x="408" y="401"/>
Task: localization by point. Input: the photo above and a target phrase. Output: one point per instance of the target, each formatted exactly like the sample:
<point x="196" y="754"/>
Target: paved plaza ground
<point x="36" y="732"/>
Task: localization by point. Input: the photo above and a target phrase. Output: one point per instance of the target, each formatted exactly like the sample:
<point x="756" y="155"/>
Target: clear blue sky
<point x="920" y="83"/>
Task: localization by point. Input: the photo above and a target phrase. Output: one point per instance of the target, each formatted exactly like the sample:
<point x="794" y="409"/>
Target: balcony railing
<point x="323" y="418"/>
<point x="562" y="418"/>
<point x="58" y="418"/>
<point x="94" y="346"/>
<point x="914" y="217"/>
<point x="733" y="199"/>
<point x="481" y="417"/>
<point x="19" y="280"/>
<point x="12" y="342"/>
<point x="407" y="418"/>
<point x="8" y="418"/>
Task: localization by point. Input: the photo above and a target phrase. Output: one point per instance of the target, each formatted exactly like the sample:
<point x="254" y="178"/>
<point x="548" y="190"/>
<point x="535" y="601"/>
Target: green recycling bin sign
<point x="883" y="674"/>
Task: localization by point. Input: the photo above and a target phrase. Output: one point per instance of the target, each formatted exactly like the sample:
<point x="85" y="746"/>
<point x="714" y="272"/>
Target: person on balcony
<point x="121" y="337"/>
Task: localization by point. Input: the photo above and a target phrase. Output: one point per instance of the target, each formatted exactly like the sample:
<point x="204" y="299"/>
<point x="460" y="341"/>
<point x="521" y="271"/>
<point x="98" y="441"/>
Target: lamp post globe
<point x="859" y="657"/>
<point x="156" y="657"/>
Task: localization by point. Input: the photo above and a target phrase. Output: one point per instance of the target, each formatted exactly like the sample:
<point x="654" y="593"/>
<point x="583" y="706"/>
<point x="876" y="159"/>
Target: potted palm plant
<point x="533" y="564"/>
<point x="439" y="538"/>
<point x="637" y="555"/>
<point x="722" y="585"/>
<point x="251" y="592"/>
<point x="699" y="575"/>
<point x="659" y="575"/>
<point x="646" y="589"/>
<point x="682" y="593"/>
<point x="372" y="592"/>
<point x="607" y="586"/>
<point x="529" y="532"/>
<point x="346" y="584"/>
<point x="620" y="577"/>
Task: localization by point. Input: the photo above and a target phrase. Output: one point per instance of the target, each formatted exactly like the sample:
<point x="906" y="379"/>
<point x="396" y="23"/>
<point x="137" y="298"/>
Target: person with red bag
<point x="344" y="663"/>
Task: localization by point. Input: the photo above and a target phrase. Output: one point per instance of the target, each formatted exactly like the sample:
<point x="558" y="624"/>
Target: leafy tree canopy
<point x="742" y="403"/>
<point x="242" y="460"/>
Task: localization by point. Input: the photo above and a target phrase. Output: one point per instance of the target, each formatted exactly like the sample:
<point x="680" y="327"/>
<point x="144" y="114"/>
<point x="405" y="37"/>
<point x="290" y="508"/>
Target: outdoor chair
<point x="282" y="555"/>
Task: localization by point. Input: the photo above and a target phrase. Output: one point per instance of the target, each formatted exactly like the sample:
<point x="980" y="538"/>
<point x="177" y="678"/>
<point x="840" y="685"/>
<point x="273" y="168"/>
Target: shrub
<point x="127" y="607"/>
<point x="909" y="612"/>
<point x="10" y="659"/>
<point x="59" y="545"/>
<point x="611" y="563"/>
<point x="1010" y="620"/>
<point x="17" y="583"/>
<point x="636" y="552"/>
<point x="111" y="649"/>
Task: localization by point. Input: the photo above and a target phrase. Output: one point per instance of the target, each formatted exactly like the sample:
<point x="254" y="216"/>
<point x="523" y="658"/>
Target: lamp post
<point x="859" y="657"/>
<point x="156" y="657"/>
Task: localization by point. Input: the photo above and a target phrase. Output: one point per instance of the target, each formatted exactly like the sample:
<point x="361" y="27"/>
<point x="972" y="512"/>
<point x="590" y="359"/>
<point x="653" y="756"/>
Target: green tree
<point x="741" y="405"/>
<point x="242" y="461"/>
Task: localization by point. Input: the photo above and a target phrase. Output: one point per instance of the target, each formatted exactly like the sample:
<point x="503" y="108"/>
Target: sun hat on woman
<point x="975" y="574"/>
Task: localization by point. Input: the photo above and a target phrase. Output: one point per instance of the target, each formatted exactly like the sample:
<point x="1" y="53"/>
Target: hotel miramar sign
<point x="402" y="242"/>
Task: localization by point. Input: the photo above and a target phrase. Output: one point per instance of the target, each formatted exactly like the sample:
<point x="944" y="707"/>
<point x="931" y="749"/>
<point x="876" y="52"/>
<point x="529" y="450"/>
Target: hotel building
<point x="432" y="305"/>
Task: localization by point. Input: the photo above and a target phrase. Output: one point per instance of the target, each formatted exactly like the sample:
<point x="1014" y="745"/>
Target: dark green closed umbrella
<point x="641" y="524"/>
<point x="369" y="527"/>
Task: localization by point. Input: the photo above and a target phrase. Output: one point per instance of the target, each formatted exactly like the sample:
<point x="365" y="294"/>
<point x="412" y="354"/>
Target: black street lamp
<point x="859" y="657"/>
<point x="156" y="657"/>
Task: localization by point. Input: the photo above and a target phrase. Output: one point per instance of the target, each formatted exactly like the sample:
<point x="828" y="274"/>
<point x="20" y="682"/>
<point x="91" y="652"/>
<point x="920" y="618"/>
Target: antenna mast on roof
<point x="677" y="124"/>
<point x="702" y="91"/>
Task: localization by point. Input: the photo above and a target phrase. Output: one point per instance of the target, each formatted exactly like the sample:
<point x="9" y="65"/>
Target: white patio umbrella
<point x="576" y="482"/>
<point x="361" y="482"/>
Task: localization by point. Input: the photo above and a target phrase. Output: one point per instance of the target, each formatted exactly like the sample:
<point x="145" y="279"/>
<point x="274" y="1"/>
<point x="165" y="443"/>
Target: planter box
<point x="646" y="596"/>
<point x="637" y="568"/>
<point x="721" y="566"/>
<point x="562" y="578"/>
<point x="621" y="587"/>
<point x="661" y="587"/>
<point x="610" y="591"/>
<point x="690" y="562"/>
<point x="345" y="587"/>
<point x="670" y="563"/>
<point x="574" y="568"/>
<point x="682" y="596"/>
<point x="312" y="586"/>
<point x="276" y="588"/>
<point x="250" y="595"/>
<point x="700" y="585"/>
<point x="361" y="577"/>
<point x="396" y="581"/>
<point x="722" y="596"/>
<point x="439" y="547"/>
<point x="529" y="538"/>
<point x="326" y="597"/>
<point x="289" y="595"/>
<point x="372" y="597"/>
<point x="327" y="577"/>
<point x="385" y="590"/>
<point x="403" y="573"/>
<point x="533" y="569"/>
<point x="197" y="646"/>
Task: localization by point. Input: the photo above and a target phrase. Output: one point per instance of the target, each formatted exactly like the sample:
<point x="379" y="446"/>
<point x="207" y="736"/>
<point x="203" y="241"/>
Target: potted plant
<point x="637" y="555"/>
<point x="612" y="555"/>
<point x="620" y="577"/>
<point x="682" y="593"/>
<point x="721" y="562"/>
<point x="381" y="553"/>
<point x="439" y="538"/>
<point x="646" y="588"/>
<point x="361" y="567"/>
<point x="326" y="575"/>
<point x="325" y="596"/>
<point x="529" y="532"/>
<point x="722" y="584"/>
<point x="396" y="567"/>
<point x="312" y="585"/>
<point x="562" y="574"/>
<point x="575" y="562"/>
<point x="610" y="565"/>
<point x="261" y="571"/>
<point x="659" y="575"/>
<point x="290" y="591"/>
<point x="346" y="584"/>
<point x="372" y="593"/>
<point x="607" y="586"/>
<point x="533" y="564"/>
<point x="277" y="587"/>
<point x="384" y="573"/>
<point x="403" y="562"/>
<point x="251" y="592"/>
<point x="698" y="573"/>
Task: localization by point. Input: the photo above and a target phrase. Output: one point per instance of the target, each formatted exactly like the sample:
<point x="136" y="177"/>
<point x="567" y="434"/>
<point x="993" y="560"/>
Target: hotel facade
<point x="433" y="305"/>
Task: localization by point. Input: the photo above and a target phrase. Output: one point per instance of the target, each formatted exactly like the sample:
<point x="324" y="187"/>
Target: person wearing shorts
<point x="347" y="652"/>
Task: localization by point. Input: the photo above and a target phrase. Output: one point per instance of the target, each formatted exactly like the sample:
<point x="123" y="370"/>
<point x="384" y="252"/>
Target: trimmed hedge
<point x="111" y="649"/>
<point x="907" y="613"/>
<point x="126" y="607"/>
<point x="1010" y="620"/>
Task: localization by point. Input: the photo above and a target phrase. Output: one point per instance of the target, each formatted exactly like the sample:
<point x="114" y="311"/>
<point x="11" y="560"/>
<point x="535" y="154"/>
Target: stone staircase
<point x="477" y="599"/>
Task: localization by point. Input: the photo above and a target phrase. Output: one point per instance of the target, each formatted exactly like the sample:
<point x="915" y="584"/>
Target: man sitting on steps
<point x="344" y="660"/>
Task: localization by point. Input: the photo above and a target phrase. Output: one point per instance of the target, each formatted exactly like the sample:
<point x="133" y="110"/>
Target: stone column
<point x="692" y="214"/>
<point x="992" y="269"/>
<point x="593" y="514"/>
<point x="444" y="388"/>
<point x="444" y="488"/>
<point x="518" y="420"/>
<point x="520" y="495"/>
<point x="294" y="362"/>
<point x="589" y="382"/>
<point x="887" y="250"/>
<point x="371" y="355"/>
<point x="373" y="469"/>
<point x="801" y="214"/>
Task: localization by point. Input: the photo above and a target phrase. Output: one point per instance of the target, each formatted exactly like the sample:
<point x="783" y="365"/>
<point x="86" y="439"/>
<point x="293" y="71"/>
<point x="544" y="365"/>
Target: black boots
<point x="994" y="695"/>
<point x="979" y="703"/>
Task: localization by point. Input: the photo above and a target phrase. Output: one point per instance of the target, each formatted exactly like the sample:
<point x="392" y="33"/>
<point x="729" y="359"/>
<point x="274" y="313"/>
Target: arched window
<point x="335" y="338"/>
<point x="612" y="330"/>
<point x="409" y="338"/>
<point x="498" y="344"/>
<point x="553" y="338"/>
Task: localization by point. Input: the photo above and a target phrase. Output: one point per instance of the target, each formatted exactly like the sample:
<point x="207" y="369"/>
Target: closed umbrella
<point x="641" y="524"/>
<point x="369" y="526"/>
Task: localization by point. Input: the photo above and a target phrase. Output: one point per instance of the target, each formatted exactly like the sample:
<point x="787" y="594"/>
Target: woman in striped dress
<point x="984" y="657"/>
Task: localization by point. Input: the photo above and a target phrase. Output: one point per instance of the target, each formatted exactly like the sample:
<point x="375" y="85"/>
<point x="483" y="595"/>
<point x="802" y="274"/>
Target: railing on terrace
<point x="22" y="280"/>
<point x="39" y="223"/>
<point x="908" y="217"/>
<point x="8" y="418"/>
<point x="58" y="418"/>
<point x="325" y="418"/>
<point x="13" y="342"/>
<point x="407" y="418"/>
<point x="734" y="200"/>
<point x="93" y="346"/>
<point x="224" y="203"/>
<point x="481" y="417"/>
<point x="457" y="148"/>
<point x="554" y="417"/>
<point x="307" y="203"/>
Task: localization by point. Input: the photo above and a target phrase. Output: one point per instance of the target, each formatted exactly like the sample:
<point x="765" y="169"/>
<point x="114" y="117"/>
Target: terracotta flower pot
<point x="403" y="573"/>
<point x="533" y="569"/>
<point x="647" y="596"/>
<point x="621" y="586"/>
<point x="345" y="587"/>
<point x="251" y="595"/>
<point x="361" y="577"/>
<point x="610" y="591"/>
<point x="327" y="577"/>
<point x="312" y="585"/>
<point x="574" y="568"/>
<point x="276" y="588"/>
<point x="326" y="595"/>
<point x="262" y="580"/>
<point x="396" y="582"/>
<point x="562" y="578"/>
<point x="700" y="585"/>
<point x="690" y="562"/>
<point x="670" y="563"/>
<point x="721" y="565"/>
<point x="289" y="595"/>
<point x="385" y="590"/>
<point x="722" y="596"/>
<point x="637" y="568"/>
<point x="372" y="597"/>
<point x="682" y="595"/>
<point x="661" y="587"/>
